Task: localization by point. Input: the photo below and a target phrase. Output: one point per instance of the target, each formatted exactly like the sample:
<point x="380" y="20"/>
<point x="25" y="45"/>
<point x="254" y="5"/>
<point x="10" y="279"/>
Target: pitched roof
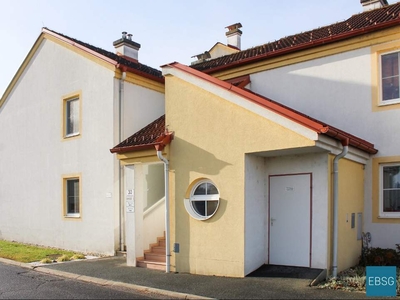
<point x="114" y="57"/>
<point x="358" y="24"/>
<point x="285" y="111"/>
<point x="154" y="134"/>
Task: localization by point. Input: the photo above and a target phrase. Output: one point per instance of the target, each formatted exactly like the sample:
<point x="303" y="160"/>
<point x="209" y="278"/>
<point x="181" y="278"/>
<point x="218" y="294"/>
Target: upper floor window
<point x="390" y="190"/>
<point x="71" y="116"/>
<point x="390" y="78"/>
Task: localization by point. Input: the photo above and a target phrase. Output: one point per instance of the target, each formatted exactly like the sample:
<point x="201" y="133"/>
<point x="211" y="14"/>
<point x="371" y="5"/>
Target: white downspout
<point x="167" y="238"/>
<point x="345" y="149"/>
<point x="121" y="97"/>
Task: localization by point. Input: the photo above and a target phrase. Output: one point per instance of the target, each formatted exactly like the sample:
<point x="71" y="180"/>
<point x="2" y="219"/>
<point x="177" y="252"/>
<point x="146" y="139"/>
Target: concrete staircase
<point x="154" y="258"/>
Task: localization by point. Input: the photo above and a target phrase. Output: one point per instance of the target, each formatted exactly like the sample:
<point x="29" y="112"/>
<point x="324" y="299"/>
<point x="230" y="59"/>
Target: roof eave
<point x="125" y="68"/>
<point x="353" y="141"/>
<point x="161" y="142"/>
<point x="120" y="150"/>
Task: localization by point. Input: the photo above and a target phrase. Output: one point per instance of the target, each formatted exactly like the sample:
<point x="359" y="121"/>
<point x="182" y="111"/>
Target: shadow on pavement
<point x="285" y="272"/>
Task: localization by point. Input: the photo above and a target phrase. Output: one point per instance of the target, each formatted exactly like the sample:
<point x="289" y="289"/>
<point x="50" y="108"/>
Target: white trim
<point x="188" y="201"/>
<point x="392" y="101"/>
<point x="73" y="214"/>
<point x="382" y="214"/>
<point x="335" y="147"/>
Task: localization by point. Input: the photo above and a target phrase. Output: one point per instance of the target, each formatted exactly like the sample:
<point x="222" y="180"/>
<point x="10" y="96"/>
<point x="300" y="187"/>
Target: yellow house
<point x="250" y="180"/>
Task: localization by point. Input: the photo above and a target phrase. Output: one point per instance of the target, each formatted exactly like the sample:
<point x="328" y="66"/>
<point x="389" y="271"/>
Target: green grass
<point x="29" y="253"/>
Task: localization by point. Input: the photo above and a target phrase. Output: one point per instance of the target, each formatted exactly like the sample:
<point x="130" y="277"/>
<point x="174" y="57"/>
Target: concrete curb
<point x="16" y="263"/>
<point x="103" y="282"/>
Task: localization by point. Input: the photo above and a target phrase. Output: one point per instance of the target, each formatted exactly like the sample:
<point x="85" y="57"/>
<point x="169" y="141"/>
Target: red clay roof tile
<point x="356" y="25"/>
<point x="145" y="138"/>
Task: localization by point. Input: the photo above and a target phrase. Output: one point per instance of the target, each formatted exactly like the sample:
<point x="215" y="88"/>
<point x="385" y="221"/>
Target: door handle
<point x="272" y="221"/>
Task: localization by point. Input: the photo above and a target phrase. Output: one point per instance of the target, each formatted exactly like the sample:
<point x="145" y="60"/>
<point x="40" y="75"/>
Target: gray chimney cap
<point x="365" y="1"/>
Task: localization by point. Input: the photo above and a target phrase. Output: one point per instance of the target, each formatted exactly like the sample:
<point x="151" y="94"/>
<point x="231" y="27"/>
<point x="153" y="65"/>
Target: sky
<point x="168" y="30"/>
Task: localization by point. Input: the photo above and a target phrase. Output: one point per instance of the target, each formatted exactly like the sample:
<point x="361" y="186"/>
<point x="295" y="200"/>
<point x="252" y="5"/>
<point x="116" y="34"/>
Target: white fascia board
<point x="242" y="102"/>
<point x="335" y="147"/>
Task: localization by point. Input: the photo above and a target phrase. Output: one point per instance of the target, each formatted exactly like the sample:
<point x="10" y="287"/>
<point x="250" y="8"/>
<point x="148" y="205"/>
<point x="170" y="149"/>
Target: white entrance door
<point x="290" y="220"/>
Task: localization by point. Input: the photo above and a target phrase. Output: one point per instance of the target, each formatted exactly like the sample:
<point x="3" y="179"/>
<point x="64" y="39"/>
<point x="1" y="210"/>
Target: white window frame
<point x="383" y="214"/>
<point x="392" y="101"/>
<point x="67" y="118"/>
<point x="213" y="197"/>
<point x="67" y="197"/>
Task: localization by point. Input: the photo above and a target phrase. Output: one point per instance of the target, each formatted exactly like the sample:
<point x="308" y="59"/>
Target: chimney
<point x="127" y="48"/>
<point x="234" y="34"/>
<point x="202" y="57"/>
<point x="373" y="4"/>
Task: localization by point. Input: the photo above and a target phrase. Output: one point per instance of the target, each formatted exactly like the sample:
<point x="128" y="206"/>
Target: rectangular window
<point x="72" y="197"/>
<point x="390" y="190"/>
<point x="390" y="78"/>
<point x="71" y="117"/>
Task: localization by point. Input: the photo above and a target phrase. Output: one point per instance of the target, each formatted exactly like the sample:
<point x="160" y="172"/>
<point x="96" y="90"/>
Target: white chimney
<point x="234" y="34"/>
<point x="126" y="47"/>
<point x="373" y="4"/>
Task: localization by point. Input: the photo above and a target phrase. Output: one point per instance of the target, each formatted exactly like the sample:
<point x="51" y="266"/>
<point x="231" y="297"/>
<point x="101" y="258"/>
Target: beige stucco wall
<point x="212" y="136"/>
<point x="351" y="200"/>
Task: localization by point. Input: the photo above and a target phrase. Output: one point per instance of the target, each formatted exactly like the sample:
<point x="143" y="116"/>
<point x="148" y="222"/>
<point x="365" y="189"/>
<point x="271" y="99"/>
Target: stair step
<point x="158" y="249"/>
<point x="121" y="253"/>
<point x="151" y="265"/>
<point x="156" y="257"/>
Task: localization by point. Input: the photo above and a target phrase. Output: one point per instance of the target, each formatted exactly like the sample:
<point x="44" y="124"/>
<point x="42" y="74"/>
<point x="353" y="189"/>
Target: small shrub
<point x="78" y="256"/>
<point x="46" y="260"/>
<point x="63" y="258"/>
<point x="380" y="257"/>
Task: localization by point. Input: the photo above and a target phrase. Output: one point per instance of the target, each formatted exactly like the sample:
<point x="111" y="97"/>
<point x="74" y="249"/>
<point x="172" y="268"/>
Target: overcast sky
<point x="168" y="30"/>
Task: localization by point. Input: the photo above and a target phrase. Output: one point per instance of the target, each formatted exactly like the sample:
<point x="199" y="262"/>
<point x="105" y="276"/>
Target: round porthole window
<point x="203" y="201"/>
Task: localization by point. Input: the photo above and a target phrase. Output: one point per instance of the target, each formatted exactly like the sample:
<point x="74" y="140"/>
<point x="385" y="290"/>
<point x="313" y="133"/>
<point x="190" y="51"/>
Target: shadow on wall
<point x="188" y="158"/>
<point x="196" y="159"/>
<point x="337" y="83"/>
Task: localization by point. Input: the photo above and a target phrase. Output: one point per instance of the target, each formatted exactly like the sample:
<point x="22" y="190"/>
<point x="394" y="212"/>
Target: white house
<point x="67" y="105"/>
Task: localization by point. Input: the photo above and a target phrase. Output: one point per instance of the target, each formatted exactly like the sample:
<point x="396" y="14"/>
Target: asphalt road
<point x="22" y="283"/>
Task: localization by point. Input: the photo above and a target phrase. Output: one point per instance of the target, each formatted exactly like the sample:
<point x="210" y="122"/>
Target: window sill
<point x="388" y="102"/>
<point x="71" y="135"/>
<point x="389" y="217"/>
<point x="72" y="217"/>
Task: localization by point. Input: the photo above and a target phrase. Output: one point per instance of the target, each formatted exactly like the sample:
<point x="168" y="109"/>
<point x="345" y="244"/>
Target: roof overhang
<point x="159" y="144"/>
<point x="280" y="114"/>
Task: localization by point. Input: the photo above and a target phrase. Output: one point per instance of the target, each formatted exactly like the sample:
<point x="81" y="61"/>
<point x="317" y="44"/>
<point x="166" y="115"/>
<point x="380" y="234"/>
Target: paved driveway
<point x="115" y="269"/>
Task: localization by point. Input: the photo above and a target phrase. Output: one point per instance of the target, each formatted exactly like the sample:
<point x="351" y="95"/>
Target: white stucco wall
<point x="337" y="90"/>
<point x="255" y="213"/>
<point x="141" y="106"/>
<point x="34" y="157"/>
<point x="315" y="163"/>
